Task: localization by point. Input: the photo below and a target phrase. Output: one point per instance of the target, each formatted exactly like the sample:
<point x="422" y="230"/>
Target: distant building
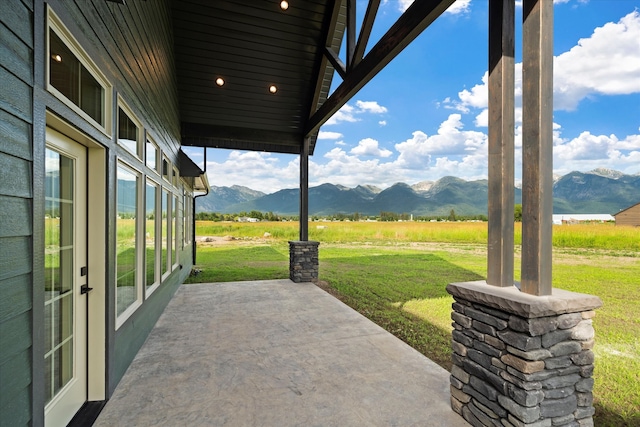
<point x="567" y="219"/>
<point x="247" y="219"/>
<point x="629" y="216"/>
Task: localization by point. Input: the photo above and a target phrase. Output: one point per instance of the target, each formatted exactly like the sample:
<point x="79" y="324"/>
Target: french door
<point x="65" y="307"/>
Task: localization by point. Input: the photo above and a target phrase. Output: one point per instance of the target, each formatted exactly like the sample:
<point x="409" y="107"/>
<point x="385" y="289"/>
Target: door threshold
<point x="87" y="414"/>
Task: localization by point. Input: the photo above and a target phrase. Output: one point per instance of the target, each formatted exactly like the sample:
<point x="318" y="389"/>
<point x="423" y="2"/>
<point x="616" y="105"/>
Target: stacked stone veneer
<point x="303" y="261"/>
<point x="521" y="360"/>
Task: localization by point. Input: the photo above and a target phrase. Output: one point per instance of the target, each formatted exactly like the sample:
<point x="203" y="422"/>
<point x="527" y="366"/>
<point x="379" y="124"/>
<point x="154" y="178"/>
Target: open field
<point x="395" y="274"/>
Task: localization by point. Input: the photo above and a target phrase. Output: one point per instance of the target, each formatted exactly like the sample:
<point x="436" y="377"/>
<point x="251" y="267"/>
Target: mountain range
<point x="601" y="191"/>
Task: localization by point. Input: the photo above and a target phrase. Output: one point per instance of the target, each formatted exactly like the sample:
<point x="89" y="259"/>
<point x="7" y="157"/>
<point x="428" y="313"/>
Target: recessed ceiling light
<point x="284" y="5"/>
<point x="220" y="81"/>
<point x="273" y="89"/>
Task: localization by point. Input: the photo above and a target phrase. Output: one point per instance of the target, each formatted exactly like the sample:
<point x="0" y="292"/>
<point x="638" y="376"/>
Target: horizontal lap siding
<point x="16" y="231"/>
<point x="132" y="44"/>
<point x="631" y="216"/>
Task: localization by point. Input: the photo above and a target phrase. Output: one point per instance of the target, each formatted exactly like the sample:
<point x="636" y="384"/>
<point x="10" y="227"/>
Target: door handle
<point x="85" y="289"/>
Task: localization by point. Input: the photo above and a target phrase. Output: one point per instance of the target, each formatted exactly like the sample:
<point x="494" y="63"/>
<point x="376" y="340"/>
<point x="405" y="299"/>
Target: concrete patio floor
<point x="275" y="353"/>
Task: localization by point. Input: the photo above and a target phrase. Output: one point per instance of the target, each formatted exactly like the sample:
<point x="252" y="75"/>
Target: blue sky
<point x="424" y="116"/>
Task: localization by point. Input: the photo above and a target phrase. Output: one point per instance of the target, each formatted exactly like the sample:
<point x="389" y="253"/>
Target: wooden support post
<point x="365" y="31"/>
<point x="409" y="26"/>
<point x="537" y="146"/>
<point x="501" y="142"/>
<point x="351" y="32"/>
<point x="304" y="191"/>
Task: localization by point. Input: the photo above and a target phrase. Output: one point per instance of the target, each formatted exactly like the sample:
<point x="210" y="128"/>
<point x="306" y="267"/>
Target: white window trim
<point x="169" y="234"/>
<point x="175" y="179"/>
<point x="174" y="226"/>
<point x="122" y="318"/>
<point x="156" y="169"/>
<point x="55" y="23"/>
<point x="168" y="176"/>
<point x="157" y="259"/>
<point x="142" y="147"/>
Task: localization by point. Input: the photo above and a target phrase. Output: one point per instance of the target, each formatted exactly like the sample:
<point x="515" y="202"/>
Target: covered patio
<point x="258" y="76"/>
<point x="275" y="353"/>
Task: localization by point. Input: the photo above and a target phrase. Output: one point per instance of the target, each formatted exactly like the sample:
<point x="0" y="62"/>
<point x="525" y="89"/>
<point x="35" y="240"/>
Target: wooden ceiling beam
<point x="211" y="136"/>
<point x="335" y="60"/>
<point x="410" y="24"/>
<point x="365" y="30"/>
<point x="351" y="32"/>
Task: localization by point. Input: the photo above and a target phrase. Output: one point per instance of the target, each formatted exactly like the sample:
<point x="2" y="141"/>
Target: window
<point x="165" y="259"/>
<point x="152" y="154"/>
<point x="128" y="292"/>
<point x="152" y="278"/>
<point x="175" y="212"/>
<point x="129" y="131"/>
<point x="176" y="177"/>
<point x="166" y="168"/>
<point x="74" y="78"/>
<point x="185" y="219"/>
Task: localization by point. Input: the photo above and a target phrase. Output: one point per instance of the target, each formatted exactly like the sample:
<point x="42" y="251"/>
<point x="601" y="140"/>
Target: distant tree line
<point x="384" y="216"/>
<point x="215" y="216"/>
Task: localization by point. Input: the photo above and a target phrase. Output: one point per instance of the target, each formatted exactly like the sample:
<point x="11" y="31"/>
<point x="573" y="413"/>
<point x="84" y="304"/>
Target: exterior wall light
<point x="273" y="89"/>
<point x="284" y="5"/>
<point x="220" y="81"/>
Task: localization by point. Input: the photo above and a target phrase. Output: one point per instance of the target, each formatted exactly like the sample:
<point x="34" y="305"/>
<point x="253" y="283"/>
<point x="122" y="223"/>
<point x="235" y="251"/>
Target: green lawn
<point x="401" y="286"/>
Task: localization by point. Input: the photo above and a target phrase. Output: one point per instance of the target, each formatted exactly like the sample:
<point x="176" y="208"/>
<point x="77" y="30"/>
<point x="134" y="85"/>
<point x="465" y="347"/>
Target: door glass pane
<point x="150" y="237"/>
<point x="59" y="279"/>
<point x="126" y="231"/>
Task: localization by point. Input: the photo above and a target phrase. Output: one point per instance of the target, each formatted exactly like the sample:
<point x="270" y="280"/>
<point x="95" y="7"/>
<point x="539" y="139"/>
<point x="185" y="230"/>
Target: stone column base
<point x="522" y="360"/>
<point x="303" y="261"/>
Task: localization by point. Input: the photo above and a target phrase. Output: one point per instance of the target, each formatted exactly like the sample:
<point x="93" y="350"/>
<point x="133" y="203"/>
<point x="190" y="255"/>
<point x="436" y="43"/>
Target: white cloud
<point x="417" y="151"/>
<point x="370" y="147"/>
<point x="404" y="4"/>
<point x="382" y="122"/>
<point x="370" y="107"/>
<point x="588" y="151"/>
<point x="458" y="7"/>
<point x="451" y="151"/>
<point x="257" y="170"/>
<point x="606" y="63"/>
<point x="477" y="97"/>
<point x="329" y="135"/>
<point x="344" y="114"/>
<point x="482" y="119"/>
<point x="519" y="2"/>
<point x="349" y="113"/>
